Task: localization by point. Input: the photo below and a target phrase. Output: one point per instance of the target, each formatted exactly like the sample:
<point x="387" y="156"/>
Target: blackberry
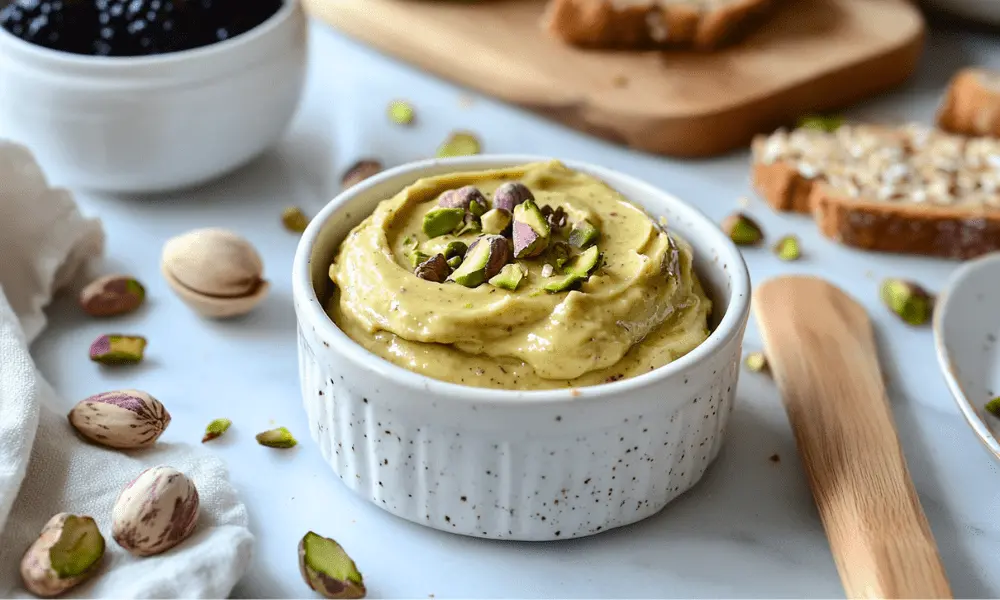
<point x="144" y="27"/>
<point x="67" y="25"/>
<point x="226" y="19"/>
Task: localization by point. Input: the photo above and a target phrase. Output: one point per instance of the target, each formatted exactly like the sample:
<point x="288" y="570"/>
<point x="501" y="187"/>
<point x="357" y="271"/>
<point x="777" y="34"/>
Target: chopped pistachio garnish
<point x="433" y="269"/>
<point x="459" y="143"/>
<point x="583" y="235"/>
<point x="416" y="257"/>
<point x="531" y="230"/>
<point x="993" y="407"/>
<point x="508" y="278"/>
<point x="911" y="303"/>
<point x="756" y="362"/>
<point x="743" y="230"/>
<point x="401" y="112"/>
<point x="441" y="221"/>
<point x="277" y="438"/>
<point x="215" y="429"/>
<point x="294" y="219"/>
<point x="454" y="262"/>
<point x="455" y="248"/>
<point x="787" y="248"/>
<point x="485" y="258"/>
<point x="828" y="123"/>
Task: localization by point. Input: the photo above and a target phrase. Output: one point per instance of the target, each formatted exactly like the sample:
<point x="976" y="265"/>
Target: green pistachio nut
<point x="455" y="248"/>
<point x="485" y="258"/>
<point x="442" y="221"/>
<point x="112" y="295"/>
<point x="417" y="257"/>
<point x="294" y="219"/>
<point x="215" y="429"/>
<point x="277" y="438"/>
<point x="743" y="230"/>
<point x="756" y="362"/>
<point x="577" y="270"/>
<point x="495" y="221"/>
<point x="583" y="235"/>
<point x="911" y="303"/>
<point x="827" y="123"/>
<point x="531" y="230"/>
<point x="401" y="112"/>
<point x="454" y="262"/>
<point x="434" y="269"/>
<point x="787" y="248"/>
<point x="328" y="570"/>
<point x="67" y="552"/>
<point x="459" y="143"/>
<point x="510" y="194"/>
<point x="509" y="277"/>
<point x="118" y="349"/>
<point x="993" y="407"/>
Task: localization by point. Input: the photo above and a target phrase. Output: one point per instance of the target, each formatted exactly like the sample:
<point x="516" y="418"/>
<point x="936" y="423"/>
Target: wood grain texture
<point x="811" y="55"/>
<point x="821" y="349"/>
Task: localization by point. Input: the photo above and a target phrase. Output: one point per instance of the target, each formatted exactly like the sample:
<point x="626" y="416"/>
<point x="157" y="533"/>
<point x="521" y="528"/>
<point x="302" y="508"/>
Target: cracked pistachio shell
<point x="67" y="552"/>
<point x="123" y="419"/>
<point x="155" y="512"/>
<point x="214" y="271"/>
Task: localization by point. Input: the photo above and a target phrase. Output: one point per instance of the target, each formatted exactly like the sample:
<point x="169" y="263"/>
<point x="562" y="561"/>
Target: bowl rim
<point x="34" y="51"/>
<point x="309" y="309"/>
<point x="983" y="431"/>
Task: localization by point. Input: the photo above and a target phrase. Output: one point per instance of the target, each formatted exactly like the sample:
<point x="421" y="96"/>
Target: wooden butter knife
<point x="821" y="349"/>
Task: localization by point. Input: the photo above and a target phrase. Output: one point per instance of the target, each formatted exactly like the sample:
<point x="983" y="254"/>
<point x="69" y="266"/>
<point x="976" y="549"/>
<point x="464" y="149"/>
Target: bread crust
<point x="599" y="23"/>
<point x="971" y="106"/>
<point x="945" y="232"/>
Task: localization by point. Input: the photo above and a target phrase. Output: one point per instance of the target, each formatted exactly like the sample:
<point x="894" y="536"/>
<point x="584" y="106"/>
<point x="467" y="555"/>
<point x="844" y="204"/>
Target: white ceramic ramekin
<point x="146" y="124"/>
<point x="539" y="465"/>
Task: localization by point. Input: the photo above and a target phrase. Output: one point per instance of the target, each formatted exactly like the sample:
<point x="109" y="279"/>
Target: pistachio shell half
<point x="214" y="271"/>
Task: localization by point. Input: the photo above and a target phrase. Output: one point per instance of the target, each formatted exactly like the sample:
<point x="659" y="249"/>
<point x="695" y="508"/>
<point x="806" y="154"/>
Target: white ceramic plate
<point x="987" y="11"/>
<point x="966" y="330"/>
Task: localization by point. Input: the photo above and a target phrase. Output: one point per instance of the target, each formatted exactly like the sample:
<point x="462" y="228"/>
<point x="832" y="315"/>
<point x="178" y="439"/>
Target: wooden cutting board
<point x="810" y="56"/>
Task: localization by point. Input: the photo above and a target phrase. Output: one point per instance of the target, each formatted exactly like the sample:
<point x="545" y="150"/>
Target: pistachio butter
<point x="620" y="299"/>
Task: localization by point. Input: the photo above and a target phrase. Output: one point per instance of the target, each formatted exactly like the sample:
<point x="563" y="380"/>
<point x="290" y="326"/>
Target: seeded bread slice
<point x="699" y="24"/>
<point x="909" y="189"/>
<point x="971" y="106"/>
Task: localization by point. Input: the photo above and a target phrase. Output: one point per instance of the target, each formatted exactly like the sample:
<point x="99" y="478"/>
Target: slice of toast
<point x="910" y="189"/>
<point x="698" y="24"/>
<point x="971" y="106"/>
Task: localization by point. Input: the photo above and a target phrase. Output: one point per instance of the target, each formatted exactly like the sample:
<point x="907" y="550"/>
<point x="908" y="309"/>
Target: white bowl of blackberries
<point x="148" y="95"/>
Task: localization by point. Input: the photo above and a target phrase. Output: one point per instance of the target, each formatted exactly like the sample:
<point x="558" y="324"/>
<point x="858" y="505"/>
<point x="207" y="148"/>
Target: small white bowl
<point x="156" y="123"/>
<point x="966" y="330"/>
<point x="531" y="465"/>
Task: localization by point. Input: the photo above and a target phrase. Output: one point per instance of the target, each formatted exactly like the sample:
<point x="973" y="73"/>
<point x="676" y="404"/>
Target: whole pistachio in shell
<point x="216" y="272"/>
<point x="155" y="512"/>
<point x="125" y="419"/>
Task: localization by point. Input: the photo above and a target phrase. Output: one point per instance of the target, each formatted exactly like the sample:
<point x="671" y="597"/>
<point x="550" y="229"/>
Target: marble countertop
<point x="749" y="529"/>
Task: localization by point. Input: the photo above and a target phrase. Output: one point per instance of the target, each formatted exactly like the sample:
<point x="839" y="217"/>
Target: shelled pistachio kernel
<point x="359" y="171"/>
<point x="294" y="219"/>
<point x="328" y="570"/>
<point x="441" y="221"/>
<point x="401" y="112"/>
<point x="743" y="230"/>
<point x="509" y="277"/>
<point x="434" y="269"/>
<point x="459" y="143"/>
<point x="531" y="232"/>
<point x="215" y="429"/>
<point x="112" y="295"/>
<point x="115" y="349"/>
<point x="993" y="407"/>
<point x="827" y="123"/>
<point x="787" y="248"/>
<point x="67" y="552"/>
<point x="583" y="235"/>
<point x="756" y="362"/>
<point x="495" y="221"/>
<point x="911" y="303"/>
<point x="277" y="438"/>
<point x="486" y="257"/>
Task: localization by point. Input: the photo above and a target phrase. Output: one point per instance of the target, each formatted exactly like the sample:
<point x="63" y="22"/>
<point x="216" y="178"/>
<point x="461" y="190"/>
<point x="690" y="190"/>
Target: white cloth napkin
<point x="44" y="467"/>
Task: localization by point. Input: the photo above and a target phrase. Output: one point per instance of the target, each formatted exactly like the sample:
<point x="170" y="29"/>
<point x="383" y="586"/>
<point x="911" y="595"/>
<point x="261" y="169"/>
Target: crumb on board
<point x="743" y="201"/>
<point x="465" y="100"/>
<point x="575" y="393"/>
<point x="775" y="458"/>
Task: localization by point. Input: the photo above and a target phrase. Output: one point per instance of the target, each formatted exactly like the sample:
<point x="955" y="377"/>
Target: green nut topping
<point x="756" y="362"/>
<point x="471" y="224"/>
<point x="112" y="295"/>
<point x="577" y="270"/>
<point x="433" y="269"/>
<point x="993" y="407"/>
<point x="583" y="234"/>
<point x="743" y="230"/>
<point x="277" y="438"/>
<point x="485" y="258"/>
<point x="454" y="249"/>
<point x="328" y="570"/>
<point x="442" y="221"/>
<point x="401" y="112"/>
<point x="118" y="349"/>
<point x="557" y="254"/>
<point x="215" y="429"/>
<point x="787" y="248"/>
<point x="454" y="262"/>
<point x="495" y="221"/>
<point x="531" y="230"/>
<point x="912" y="303"/>
<point x="828" y="123"/>
<point x="509" y="277"/>
<point x="459" y="143"/>
<point x="416" y="258"/>
<point x="294" y="219"/>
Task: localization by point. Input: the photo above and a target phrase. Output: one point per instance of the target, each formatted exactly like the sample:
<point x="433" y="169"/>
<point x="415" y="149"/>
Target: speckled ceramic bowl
<point x="538" y="465"/>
